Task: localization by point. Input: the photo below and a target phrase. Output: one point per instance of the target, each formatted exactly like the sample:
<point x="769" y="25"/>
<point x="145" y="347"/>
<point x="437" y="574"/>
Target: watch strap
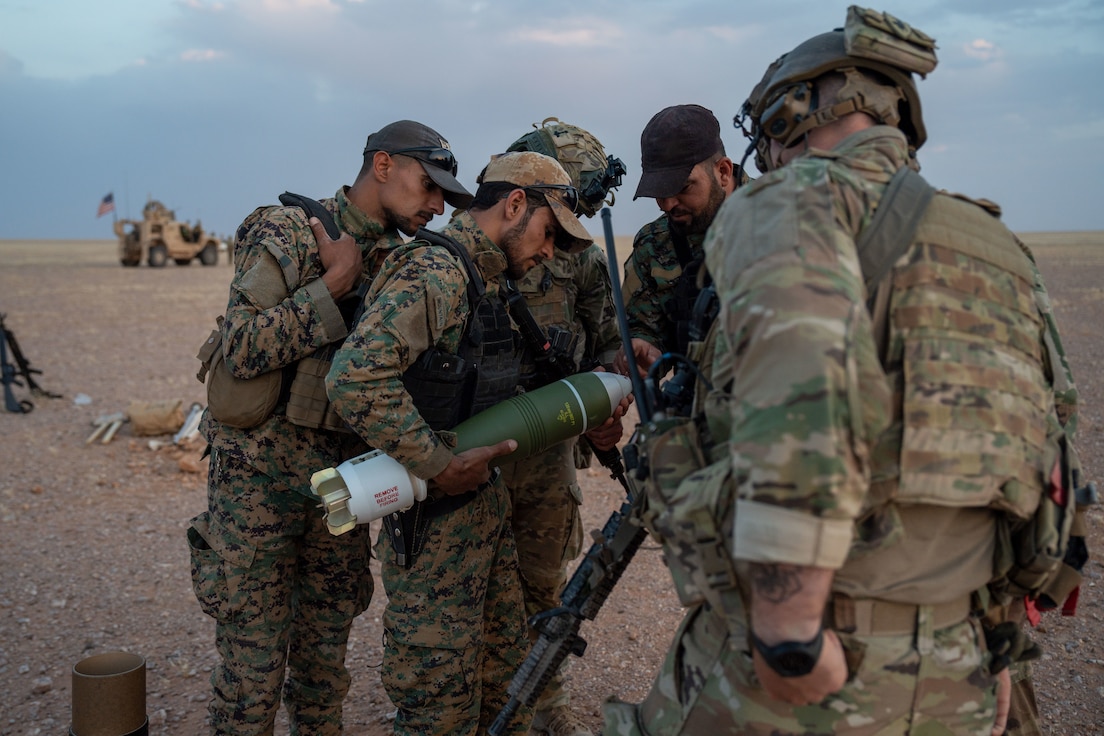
<point x="790" y="658"/>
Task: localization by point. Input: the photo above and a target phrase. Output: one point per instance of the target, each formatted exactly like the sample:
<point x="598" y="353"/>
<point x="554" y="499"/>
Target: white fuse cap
<point x="365" y="488"/>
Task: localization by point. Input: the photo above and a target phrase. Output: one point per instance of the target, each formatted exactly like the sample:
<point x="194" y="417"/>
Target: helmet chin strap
<point x="824" y="116"/>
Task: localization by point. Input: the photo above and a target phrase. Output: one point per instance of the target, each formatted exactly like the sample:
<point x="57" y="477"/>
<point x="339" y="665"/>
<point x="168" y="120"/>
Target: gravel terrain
<point x="93" y="556"/>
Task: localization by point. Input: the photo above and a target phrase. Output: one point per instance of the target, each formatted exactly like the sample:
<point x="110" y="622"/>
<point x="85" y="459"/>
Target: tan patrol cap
<point x="529" y="169"/>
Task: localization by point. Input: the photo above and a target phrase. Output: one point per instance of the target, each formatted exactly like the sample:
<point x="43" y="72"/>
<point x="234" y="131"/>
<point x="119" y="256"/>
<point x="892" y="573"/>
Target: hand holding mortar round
<point x="372" y="485"/>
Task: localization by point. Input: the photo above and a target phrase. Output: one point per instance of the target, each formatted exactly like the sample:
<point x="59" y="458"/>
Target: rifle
<point x="601" y="567"/>
<point x="23" y="368"/>
<point x="10" y="402"/>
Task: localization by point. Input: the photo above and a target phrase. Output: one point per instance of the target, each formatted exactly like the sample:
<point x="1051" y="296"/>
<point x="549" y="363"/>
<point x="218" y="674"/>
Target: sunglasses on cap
<point x="568" y="195"/>
<point x="442" y="158"/>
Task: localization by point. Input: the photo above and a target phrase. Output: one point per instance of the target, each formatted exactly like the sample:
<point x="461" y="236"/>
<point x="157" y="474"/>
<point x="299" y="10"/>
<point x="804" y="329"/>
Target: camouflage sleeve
<point x="416" y="302"/>
<point x="641" y="290"/>
<point x="279" y="308"/>
<point x="594" y="306"/>
<point x="808" y="395"/>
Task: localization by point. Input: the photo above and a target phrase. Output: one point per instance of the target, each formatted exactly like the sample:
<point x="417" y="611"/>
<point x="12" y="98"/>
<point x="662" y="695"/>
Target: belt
<point x="435" y="506"/>
<point x="873" y="617"/>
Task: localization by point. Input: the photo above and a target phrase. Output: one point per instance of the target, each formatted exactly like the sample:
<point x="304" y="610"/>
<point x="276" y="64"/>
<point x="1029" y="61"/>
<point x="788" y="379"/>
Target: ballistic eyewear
<point x="567" y="195"/>
<point x="442" y="158"/>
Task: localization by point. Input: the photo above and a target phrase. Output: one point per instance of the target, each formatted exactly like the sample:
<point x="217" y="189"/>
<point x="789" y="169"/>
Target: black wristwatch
<point x="790" y="658"/>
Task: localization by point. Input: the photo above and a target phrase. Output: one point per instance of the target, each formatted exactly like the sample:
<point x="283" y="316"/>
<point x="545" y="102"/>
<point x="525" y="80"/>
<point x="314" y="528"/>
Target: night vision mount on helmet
<point x="877" y="54"/>
<point x="592" y="172"/>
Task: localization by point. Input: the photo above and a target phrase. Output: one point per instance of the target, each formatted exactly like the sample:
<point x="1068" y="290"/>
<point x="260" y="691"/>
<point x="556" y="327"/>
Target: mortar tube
<point x="109" y="696"/>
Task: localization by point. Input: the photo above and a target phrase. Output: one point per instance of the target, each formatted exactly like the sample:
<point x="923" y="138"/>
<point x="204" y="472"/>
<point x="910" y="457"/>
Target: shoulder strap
<point x="476" y="288"/>
<point x="682" y="247"/>
<point x="894" y="225"/>
<point x="313" y="208"/>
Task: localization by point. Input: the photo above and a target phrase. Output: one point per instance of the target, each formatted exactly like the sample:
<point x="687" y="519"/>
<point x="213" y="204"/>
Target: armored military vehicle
<point x="158" y="236"/>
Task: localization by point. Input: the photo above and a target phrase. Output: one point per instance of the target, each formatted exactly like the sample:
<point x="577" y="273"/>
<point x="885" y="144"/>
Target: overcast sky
<point x="217" y="106"/>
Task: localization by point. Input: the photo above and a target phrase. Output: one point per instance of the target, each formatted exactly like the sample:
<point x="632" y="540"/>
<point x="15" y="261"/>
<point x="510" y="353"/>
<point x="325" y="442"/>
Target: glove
<point x="1007" y="643"/>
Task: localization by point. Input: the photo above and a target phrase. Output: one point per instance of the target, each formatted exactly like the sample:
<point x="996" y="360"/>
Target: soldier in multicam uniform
<point x="569" y="297"/>
<point x="282" y="589"/>
<point x="684" y="167"/>
<point x="434" y="346"/>
<point x="875" y="437"/>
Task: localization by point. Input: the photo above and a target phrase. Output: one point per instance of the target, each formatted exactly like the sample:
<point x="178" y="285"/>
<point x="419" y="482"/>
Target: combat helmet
<point x="592" y="172"/>
<point x="876" y="52"/>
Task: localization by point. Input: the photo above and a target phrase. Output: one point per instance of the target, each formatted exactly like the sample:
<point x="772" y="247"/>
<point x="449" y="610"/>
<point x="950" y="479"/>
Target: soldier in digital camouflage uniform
<point x="874" y="434"/>
<point x="454" y="627"/>
<point x="569" y="297"/>
<point x="282" y="589"/>
<point x="684" y="167"/>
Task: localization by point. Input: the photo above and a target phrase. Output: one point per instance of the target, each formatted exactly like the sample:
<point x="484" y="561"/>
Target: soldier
<point x="569" y="297"/>
<point x="684" y="167"/>
<point x="282" y="589"/>
<point x="434" y="346"/>
<point x="883" y="420"/>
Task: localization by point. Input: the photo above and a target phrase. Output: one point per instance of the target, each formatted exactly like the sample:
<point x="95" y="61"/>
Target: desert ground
<point x="93" y="557"/>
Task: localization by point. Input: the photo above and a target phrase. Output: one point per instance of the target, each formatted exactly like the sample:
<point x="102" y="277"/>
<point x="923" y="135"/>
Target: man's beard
<point x="700" y="222"/>
<point x="511" y="240"/>
<point x="405" y="225"/>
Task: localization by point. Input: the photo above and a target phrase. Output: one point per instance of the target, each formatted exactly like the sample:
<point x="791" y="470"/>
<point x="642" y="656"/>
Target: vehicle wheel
<point x="129" y="261"/>
<point x="209" y="255"/>
<point x="158" y="255"/>
<point x="182" y="261"/>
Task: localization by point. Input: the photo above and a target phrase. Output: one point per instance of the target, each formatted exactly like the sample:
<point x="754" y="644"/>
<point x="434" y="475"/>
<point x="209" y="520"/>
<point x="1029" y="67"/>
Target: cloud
<point x="291" y="6"/>
<point x="983" y="50"/>
<point x="201" y="55"/>
<point x="582" y="33"/>
<point x="732" y="34"/>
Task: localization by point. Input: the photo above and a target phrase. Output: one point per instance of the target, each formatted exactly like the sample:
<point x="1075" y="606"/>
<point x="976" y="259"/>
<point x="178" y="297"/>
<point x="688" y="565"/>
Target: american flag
<point x="107" y="204"/>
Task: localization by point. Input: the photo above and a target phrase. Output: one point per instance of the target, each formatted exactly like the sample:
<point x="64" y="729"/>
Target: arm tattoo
<point x="775" y="583"/>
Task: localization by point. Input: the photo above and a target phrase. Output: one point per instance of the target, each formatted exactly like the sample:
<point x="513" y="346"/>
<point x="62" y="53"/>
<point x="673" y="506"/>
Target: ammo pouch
<point x="308" y="405"/>
<point x="236" y="402"/>
<point x="1030" y="552"/>
<point x="441" y="385"/>
<point x="688" y="502"/>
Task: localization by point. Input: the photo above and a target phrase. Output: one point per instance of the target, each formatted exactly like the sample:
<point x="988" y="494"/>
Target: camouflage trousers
<point x="283" y="592"/>
<point x="549" y="535"/>
<point x="932" y="681"/>
<point x="1023" y="713"/>
<point x="454" y="628"/>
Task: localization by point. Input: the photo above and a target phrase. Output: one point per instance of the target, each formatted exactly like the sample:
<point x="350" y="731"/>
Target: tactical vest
<point x="448" y="388"/>
<point x="963" y="347"/>
<point x="679" y="308"/>
<point x="297" y="390"/>
<point x="975" y="424"/>
<point x="550" y="293"/>
<point x="677" y="393"/>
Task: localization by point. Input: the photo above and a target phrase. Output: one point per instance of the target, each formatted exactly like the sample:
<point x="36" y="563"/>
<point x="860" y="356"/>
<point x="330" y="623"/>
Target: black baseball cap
<point x="410" y="138"/>
<point x="674" y="141"/>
